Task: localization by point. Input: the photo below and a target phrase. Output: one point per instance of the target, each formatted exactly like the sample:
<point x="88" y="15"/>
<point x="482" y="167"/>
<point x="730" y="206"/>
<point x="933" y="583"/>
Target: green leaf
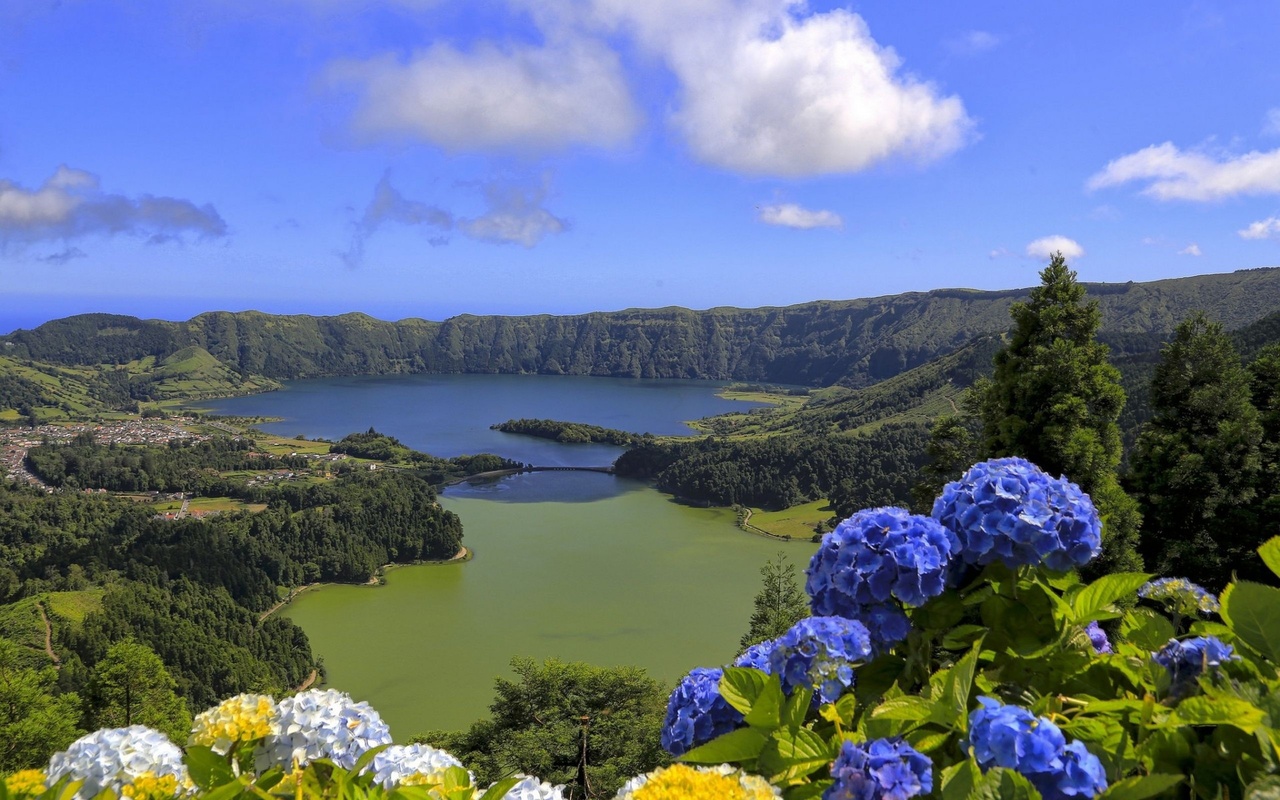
<point x="959" y="779"/>
<point x="797" y="707"/>
<point x="791" y="755"/>
<point x="1146" y="629"/>
<point x="1005" y="784"/>
<point x="743" y="744"/>
<point x="926" y="741"/>
<point x="1265" y="788"/>
<point x="1270" y="552"/>
<point x="499" y="789"/>
<point x="908" y="708"/>
<point x="366" y="757"/>
<point x="1098" y="596"/>
<point x="962" y="637"/>
<point x="224" y="792"/>
<point x="1253" y="613"/>
<point x="807" y="791"/>
<point x="952" y="709"/>
<point x="940" y="613"/>
<point x="740" y="687"/>
<point x="1140" y="787"/>
<point x="766" y="711"/>
<point x="1219" y="710"/>
<point x="207" y="768"/>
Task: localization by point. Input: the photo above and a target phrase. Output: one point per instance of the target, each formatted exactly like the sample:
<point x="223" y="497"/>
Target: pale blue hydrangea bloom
<point x="1180" y="595"/>
<point x="1187" y="660"/>
<point x="323" y="724"/>
<point x="1098" y="638"/>
<point x="1009" y="510"/>
<point x="1014" y="738"/>
<point x="756" y="656"/>
<point x="411" y="764"/>
<point x="531" y="788"/>
<point x="113" y="757"/>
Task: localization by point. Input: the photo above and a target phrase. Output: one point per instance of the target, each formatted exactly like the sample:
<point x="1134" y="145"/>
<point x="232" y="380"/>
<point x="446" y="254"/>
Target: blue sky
<point x="433" y="157"/>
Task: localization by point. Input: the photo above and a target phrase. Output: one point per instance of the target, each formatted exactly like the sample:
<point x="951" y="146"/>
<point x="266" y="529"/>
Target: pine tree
<point x="780" y="602"/>
<point x="35" y="719"/>
<point x="1197" y="462"/>
<point x="951" y="452"/>
<point x="1054" y="400"/>
<point x="130" y="686"/>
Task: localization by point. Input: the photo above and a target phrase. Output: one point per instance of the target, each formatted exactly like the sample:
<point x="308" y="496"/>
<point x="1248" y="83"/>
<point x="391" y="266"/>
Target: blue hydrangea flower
<point x="883" y="768"/>
<point x="1014" y="738"/>
<point x="1187" y="660"/>
<point x="696" y="713"/>
<point x="1009" y="510"/>
<point x="323" y="724"/>
<point x="886" y="624"/>
<point x="819" y="653"/>
<point x="756" y="656"/>
<point x="1098" y="638"/>
<point x="1081" y="775"/>
<point x="1180" y="595"/>
<point x="113" y="758"/>
<point x="411" y="765"/>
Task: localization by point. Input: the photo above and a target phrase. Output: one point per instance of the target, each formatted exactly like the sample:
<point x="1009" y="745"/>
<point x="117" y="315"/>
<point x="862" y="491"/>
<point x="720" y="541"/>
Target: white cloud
<point x="998" y="252"/>
<point x="790" y="215"/>
<point x="1268" y="228"/>
<point x="1046" y="246"/>
<point x="71" y="203"/>
<point x="972" y="43"/>
<point x="569" y="91"/>
<point x="764" y="93"/>
<point x="1271" y="124"/>
<point x="1192" y="249"/>
<point x="1173" y="174"/>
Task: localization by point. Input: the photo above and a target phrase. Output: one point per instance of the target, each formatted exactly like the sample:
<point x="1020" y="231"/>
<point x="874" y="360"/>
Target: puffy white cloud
<point x="520" y="97"/>
<point x="1268" y="228"/>
<point x="1046" y="246"/>
<point x="790" y="215"/>
<point x="1192" y="249"/>
<point x="1173" y="174"/>
<point x="765" y="92"/>
<point x="71" y="203"/>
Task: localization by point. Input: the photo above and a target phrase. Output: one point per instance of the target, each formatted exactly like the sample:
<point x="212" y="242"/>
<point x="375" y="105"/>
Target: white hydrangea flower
<point x="531" y="788"/>
<point x="322" y="724"/>
<point x="410" y="765"/>
<point x="114" y="757"/>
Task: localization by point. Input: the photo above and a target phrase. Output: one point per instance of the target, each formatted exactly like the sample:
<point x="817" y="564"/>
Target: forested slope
<point x="849" y="342"/>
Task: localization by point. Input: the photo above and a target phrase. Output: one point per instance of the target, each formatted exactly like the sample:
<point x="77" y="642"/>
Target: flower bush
<point x="965" y="668"/>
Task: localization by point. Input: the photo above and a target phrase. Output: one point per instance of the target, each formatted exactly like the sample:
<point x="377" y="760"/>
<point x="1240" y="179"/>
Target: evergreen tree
<point x="1054" y="400"/>
<point x="780" y="603"/>
<point x="130" y="686"/>
<point x="1196" y="464"/>
<point x="1264" y="386"/>
<point x="951" y="452"/>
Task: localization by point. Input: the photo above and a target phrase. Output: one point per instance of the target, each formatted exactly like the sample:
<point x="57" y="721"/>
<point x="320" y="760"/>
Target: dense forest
<point x="567" y="432"/>
<point x="853" y="342"/>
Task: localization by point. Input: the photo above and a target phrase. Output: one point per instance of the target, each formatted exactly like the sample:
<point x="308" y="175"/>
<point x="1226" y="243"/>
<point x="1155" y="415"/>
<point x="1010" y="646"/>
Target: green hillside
<point x="850" y="342"/>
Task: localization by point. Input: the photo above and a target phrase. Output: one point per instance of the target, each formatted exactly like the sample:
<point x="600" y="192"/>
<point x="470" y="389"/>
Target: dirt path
<point x="749" y="528"/>
<point x="305" y="685"/>
<point x="48" y="637"/>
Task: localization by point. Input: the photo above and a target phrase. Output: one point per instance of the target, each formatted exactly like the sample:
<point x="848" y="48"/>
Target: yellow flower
<point x="680" y="782"/>
<point x="25" y="781"/>
<point x="237" y="720"/>
<point x="149" y="786"/>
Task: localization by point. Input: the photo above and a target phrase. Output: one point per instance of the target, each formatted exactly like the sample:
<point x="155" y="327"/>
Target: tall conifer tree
<point x="1054" y="399"/>
<point x="1196" y="464"/>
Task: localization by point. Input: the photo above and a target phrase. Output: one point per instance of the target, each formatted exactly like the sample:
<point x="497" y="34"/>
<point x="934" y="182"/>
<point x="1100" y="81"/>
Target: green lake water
<point x="573" y="565"/>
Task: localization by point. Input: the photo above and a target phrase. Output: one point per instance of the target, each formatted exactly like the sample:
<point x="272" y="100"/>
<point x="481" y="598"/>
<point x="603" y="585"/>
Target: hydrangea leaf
<point x="744" y="744"/>
<point x="1146" y="629"/>
<point x="959" y="779"/>
<point x="928" y="741"/>
<point x="790" y="755"/>
<point x="1219" y="710"/>
<point x="1266" y="788"/>
<point x="962" y="637"/>
<point x="952" y="709"/>
<point x="808" y="791"/>
<point x="1095" y="599"/>
<point x="907" y="708"/>
<point x="1253" y="613"/>
<point x="1004" y="784"/>
<point x="207" y="768"/>
<point x="740" y="687"/>
<point x="1141" y="787"/>
<point x="1270" y="552"/>
<point x="796" y="707"/>
<point x="499" y="790"/>
<point x="766" y="710"/>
